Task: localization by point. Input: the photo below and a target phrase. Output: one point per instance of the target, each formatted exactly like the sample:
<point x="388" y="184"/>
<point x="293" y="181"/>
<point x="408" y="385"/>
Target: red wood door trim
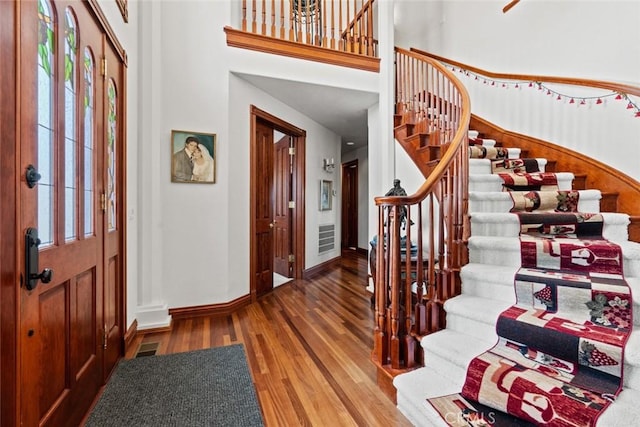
<point x="9" y="230"/>
<point x="297" y="183"/>
<point x="350" y="204"/>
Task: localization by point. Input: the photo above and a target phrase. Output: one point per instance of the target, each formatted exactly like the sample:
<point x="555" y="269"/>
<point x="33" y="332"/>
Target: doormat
<point x="210" y="387"/>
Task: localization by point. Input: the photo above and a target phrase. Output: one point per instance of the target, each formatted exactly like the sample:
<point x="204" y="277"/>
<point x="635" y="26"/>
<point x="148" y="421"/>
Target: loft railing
<point x="358" y="35"/>
<point x="321" y="30"/>
<point x="421" y="240"/>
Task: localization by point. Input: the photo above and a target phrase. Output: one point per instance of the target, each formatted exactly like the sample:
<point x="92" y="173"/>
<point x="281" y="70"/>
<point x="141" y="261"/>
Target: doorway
<point x="277" y="201"/>
<point x="350" y="205"/>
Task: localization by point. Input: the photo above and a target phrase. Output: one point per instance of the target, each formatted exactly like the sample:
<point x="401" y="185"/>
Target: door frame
<point x="9" y="241"/>
<point x="297" y="181"/>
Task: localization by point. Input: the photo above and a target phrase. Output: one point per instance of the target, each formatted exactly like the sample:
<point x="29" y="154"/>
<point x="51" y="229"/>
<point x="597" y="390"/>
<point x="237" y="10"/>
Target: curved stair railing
<point x="421" y="239"/>
<point x="620" y="191"/>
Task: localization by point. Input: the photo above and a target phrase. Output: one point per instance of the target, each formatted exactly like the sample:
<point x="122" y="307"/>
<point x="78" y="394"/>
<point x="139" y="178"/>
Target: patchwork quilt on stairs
<point x="560" y="352"/>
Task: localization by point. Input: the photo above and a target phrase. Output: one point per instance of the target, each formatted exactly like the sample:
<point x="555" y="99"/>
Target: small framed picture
<point x="124" y="9"/>
<point x="193" y="157"/>
<point x="326" y="191"/>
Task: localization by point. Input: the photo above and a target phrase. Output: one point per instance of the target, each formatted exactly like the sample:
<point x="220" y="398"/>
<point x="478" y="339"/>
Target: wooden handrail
<point x="622" y="88"/>
<point x="510" y="5"/>
<point x="358" y="16"/>
<point x="414" y="275"/>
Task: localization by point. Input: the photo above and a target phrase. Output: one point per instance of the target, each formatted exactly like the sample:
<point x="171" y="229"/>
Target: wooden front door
<point x="281" y="215"/>
<point x="350" y="205"/>
<point x="71" y="131"/>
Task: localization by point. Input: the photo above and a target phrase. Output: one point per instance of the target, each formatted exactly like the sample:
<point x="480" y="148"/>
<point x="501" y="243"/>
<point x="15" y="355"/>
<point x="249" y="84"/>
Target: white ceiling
<point x="344" y="111"/>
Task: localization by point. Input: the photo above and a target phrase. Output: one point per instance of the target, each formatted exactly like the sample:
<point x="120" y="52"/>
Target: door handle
<point x="272" y="224"/>
<point x="31" y="243"/>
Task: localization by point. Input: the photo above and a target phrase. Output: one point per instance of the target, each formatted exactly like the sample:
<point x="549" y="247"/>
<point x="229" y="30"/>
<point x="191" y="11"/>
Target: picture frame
<point x="326" y="193"/>
<point x="193" y="157"/>
<point x="123" y="5"/>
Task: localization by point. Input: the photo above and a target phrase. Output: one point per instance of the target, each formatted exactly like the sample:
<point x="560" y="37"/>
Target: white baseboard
<point x="153" y="316"/>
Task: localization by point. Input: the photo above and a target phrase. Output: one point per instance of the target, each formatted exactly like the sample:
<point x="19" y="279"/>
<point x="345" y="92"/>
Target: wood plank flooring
<point x="308" y="345"/>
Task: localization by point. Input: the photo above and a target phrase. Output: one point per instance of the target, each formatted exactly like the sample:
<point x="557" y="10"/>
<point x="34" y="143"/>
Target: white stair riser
<point x="489" y="290"/>
<point x="501" y="201"/>
<point x="473" y="327"/>
<point x="446" y="366"/>
<point x="480" y="285"/>
<point x="631" y="376"/>
<point x="509" y="226"/>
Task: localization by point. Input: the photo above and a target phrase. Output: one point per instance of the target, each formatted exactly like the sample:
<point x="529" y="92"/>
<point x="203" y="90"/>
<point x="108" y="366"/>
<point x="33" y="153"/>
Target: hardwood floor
<point x="308" y="345"/>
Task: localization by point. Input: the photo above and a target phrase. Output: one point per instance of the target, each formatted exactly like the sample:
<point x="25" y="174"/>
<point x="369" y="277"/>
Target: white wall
<point x="193" y="240"/>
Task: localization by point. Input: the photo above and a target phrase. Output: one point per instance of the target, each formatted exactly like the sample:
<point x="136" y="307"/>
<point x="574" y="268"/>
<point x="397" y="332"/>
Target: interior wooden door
<point x="281" y="215"/>
<point x="62" y="135"/>
<point x="350" y="205"/>
<point x="262" y="246"/>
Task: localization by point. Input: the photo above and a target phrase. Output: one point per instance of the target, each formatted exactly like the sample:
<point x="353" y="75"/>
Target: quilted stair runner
<point x="543" y="331"/>
<point x="558" y="361"/>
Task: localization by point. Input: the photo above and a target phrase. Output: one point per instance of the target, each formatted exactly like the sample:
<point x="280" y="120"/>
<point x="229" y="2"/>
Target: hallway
<point x="308" y="344"/>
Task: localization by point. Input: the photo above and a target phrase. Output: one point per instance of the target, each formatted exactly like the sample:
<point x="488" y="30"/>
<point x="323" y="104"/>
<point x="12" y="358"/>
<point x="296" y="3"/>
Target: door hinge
<point x="292" y="204"/>
<point x="292" y="151"/>
<point x="103" y="202"/>
<point x="292" y="258"/>
<point x="104" y="68"/>
<point x="104" y="337"/>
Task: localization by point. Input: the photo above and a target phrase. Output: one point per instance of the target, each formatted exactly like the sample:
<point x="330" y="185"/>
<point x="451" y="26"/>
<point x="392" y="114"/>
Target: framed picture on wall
<point x="124" y="9"/>
<point x="193" y="157"/>
<point x="326" y="191"/>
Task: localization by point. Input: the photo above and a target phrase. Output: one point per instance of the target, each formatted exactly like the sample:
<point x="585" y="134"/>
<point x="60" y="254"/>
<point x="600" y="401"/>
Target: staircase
<point x="487" y="290"/>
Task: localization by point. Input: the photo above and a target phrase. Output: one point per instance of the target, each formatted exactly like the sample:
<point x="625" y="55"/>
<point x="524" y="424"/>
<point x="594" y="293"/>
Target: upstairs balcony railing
<point x="421" y="240"/>
<point x="329" y="31"/>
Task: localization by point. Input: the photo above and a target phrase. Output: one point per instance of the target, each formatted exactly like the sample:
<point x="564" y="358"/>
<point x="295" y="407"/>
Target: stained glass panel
<point x="70" y="139"/>
<point x="111" y="156"/>
<point x="46" y="37"/>
<point x="88" y="142"/>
